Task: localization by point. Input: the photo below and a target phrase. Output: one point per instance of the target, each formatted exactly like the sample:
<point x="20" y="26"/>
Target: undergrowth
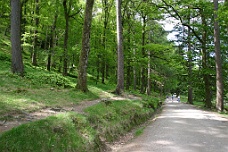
<point x="40" y="88"/>
<point x="68" y="132"/>
<point x="75" y="132"/>
<point x="117" y="117"/>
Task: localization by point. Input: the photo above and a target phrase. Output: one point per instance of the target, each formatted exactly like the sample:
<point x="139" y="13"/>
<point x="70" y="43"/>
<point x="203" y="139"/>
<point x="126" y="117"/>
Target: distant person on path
<point x="178" y="98"/>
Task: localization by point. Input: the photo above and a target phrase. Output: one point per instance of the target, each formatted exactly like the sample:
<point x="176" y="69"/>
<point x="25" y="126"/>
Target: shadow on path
<point x="182" y="128"/>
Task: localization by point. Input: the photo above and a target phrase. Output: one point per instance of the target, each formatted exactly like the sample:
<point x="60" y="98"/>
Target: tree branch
<point x="72" y="15"/>
<point x="180" y="18"/>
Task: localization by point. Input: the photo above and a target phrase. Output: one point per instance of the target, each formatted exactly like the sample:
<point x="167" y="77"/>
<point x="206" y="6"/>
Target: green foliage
<point x="105" y="121"/>
<point x="52" y="79"/>
<point x="4" y="57"/>
<point x="139" y="131"/>
<point x="115" y="118"/>
<point x="151" y="102"/>
<point x="66" y="132"/>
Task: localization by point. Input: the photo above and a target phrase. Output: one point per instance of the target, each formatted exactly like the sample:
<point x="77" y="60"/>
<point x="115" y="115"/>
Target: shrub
<point x="153" y="103"/>
<point x="5" y="57"/>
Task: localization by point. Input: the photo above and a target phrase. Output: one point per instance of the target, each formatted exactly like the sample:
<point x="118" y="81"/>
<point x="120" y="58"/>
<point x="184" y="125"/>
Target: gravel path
<point x="182" y="128"/>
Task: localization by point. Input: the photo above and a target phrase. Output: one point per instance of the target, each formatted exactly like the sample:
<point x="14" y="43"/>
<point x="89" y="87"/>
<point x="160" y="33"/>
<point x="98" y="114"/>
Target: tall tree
<point x="83" y="61"/>
<point x="106" y="7"/>
<point x="17" y="61"/>
<point x="201" y="9"/>
<point x="189" y="62"/>
<point x="35" y="43"/>
<point x="120" y="55"/>
<point x="205" y="56"/>
<point x="67" y="10"/>
<point x="218" y="62"/>
<point x="52" y="38"/>
<point x="143" y="74"/>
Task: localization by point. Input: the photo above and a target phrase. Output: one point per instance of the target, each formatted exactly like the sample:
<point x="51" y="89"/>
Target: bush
<point x="153" y="103"/>
<point x="52" y="79"/>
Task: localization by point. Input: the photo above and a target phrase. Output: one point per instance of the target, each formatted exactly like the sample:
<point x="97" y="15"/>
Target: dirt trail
<point x="182" y="128"/>
<point x="18" y="119"/>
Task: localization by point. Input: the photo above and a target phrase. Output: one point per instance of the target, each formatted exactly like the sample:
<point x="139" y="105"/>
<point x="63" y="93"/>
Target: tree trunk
<point x="206" y="76"/>
<point x="52" y="42"/>
<point x="218" y="62"/>
<point x="17" y="61"/>
<point x="65" y="51"/>
<point x="23" y="13"/>
<point x="120" y="55"/>
<point x="148" y="75"/>
<point x="103" y="55"/>
<point x="189" y="55"/>
<point x="83" y="60"/>
<point x="134" y="73"/>
<point x="128" y="81"/>
<point x="206" y="79"/>
<point x="143" y="77"/>
<point x="98" y="66"/>
<point x="35" y="43"/>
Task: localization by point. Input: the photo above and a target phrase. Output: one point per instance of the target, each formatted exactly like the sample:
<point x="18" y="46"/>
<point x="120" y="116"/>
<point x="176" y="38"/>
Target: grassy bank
<point x="65" y="132"/>
<point x="75" y="132"/>
<point x="201" y="105"/>
<point x="69" y="131"/>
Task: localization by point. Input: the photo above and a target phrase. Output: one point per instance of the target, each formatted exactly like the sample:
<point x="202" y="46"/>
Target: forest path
<point x="182" y="128"/>
<point x="18" y="119"/>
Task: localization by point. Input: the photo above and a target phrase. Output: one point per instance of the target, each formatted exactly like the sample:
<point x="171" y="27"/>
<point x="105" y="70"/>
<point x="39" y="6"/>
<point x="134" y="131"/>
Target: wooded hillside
<point x="79" y="39"/>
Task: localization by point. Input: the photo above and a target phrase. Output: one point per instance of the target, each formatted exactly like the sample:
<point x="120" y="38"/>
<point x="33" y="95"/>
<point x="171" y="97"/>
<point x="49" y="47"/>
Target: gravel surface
<point x="182" y="128"/>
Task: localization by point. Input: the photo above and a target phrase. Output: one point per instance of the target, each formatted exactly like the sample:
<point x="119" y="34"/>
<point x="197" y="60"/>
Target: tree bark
<point x="83" y="60"/>
<point x="17" y="66"/>
<point x="134" y="72"/>
<point x="206" y="76"/>
<point x="218" y="62"/>
<point x="65" y="51"/>
<point x="128" y="81"/>
<point x="189" y="55"/>
<point x="143" y="77"/>
<point x="148" y="75"/>
<point x="103" y="54"/>
<point x="35" y="43"/>
<point x="52" y="42"/>
<point x="120" y="54"/>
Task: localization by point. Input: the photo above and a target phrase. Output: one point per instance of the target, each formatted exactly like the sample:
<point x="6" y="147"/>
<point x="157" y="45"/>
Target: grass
<point x="115" y="118"/>
<point x="40" y="89"/>
<point x="68" y="132"/>
<point x="65" y="132"/>
<point x="75" y="132"/>
<point x="139" y="131"/>
<point x="202" y="105"/>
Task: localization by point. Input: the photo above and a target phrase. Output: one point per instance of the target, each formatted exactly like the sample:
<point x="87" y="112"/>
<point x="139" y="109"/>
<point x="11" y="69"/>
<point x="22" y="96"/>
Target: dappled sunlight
<point x="190" y="113"/>
<point x="183" y="128"/>
<point x="163" y="142"/>
<point x="102" y="93"/>
<point x="10" y="102"/>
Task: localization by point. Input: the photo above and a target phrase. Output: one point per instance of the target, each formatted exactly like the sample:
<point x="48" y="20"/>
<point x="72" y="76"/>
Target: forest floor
<point x="17" y="119"/>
